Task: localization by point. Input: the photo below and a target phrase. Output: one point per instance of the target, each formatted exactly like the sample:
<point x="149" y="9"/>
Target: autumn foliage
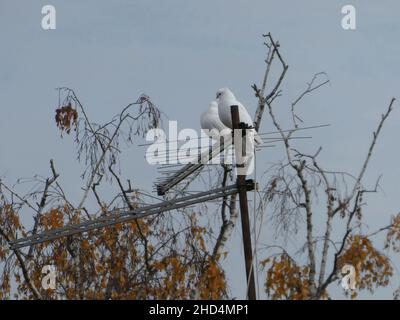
<point x="136" y="260"/>
<point x="285" y="279"/>
<point x="373" y="268"/>
<point x="66" y="118"/>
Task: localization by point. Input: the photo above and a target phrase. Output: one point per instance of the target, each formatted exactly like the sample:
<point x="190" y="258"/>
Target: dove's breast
<point x="224" y="112"/>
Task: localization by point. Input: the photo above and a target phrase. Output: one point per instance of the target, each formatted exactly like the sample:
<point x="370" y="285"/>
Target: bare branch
<point x="370" y="150"/>
<point x="273" y="49"/>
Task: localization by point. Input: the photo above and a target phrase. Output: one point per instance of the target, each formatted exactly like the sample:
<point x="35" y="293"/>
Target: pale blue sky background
<point x="180" y="53"/>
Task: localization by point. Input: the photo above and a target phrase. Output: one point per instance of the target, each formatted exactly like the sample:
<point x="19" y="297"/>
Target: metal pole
<point x="244" y="210"/>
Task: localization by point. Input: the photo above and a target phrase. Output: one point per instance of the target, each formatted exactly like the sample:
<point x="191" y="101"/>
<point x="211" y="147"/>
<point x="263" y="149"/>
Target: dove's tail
<point x="257" y="138"/>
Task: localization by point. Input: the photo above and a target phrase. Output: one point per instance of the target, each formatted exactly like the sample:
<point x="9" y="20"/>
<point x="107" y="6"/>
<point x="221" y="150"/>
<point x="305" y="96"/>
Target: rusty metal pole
<point x="244" y="209"/>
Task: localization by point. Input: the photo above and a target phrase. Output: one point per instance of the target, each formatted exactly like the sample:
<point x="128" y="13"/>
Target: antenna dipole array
<point x="189" y="169"/>
<point x="128" y="215"/>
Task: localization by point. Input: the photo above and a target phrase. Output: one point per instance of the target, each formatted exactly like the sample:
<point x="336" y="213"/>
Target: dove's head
<point x="225" y="93"/>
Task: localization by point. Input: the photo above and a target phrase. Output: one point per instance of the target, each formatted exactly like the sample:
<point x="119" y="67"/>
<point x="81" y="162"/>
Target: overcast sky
<point x="180" y="53"/>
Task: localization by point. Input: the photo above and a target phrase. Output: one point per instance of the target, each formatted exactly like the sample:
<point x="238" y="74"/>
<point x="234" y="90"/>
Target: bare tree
<point x="291" y="194"/>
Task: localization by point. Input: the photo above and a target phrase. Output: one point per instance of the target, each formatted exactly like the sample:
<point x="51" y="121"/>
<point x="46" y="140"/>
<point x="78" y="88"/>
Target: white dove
<point x="226" y="99"/>
<point x="211" y="124"/>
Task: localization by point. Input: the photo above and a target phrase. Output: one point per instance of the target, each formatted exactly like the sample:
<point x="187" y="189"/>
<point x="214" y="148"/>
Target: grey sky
<point x="180" y="53"/>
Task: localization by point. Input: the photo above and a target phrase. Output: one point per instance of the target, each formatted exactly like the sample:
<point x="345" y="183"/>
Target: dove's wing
<point x="211" y="123"/>
<point x="216" y="121"/>
<point x="224" y="111"/>
<point x="244" y="115"/>
<point x="205" y="121"/>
